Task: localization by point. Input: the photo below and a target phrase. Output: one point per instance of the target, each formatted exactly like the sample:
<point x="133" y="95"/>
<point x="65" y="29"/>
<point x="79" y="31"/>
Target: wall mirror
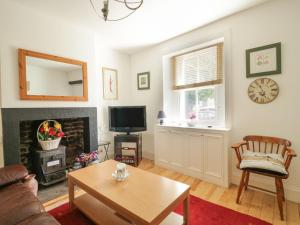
<point x="49" y="77"/>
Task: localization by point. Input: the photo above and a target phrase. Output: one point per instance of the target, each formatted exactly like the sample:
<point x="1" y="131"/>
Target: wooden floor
<point x="254" y="203"/>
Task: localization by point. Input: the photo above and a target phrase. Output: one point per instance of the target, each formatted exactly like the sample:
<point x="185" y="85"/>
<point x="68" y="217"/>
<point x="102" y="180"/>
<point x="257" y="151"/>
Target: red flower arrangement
<point x="50" y="131"/>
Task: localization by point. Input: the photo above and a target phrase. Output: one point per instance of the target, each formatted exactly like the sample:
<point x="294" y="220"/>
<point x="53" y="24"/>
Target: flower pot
<point x="191" y="122"/>
<point x="49" y="145"/>
<point x="94" y="162"/>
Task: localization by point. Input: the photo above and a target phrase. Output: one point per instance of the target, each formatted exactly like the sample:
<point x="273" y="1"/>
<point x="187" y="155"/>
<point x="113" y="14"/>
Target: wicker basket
<point x="51" y="144"/>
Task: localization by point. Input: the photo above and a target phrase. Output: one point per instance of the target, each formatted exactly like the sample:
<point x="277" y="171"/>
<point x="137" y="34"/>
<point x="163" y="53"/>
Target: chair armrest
<point x="12" y="173"/>
<point x="238" y="150"/>
<point x="290" y="154"/>
<point x="238" y="145"/>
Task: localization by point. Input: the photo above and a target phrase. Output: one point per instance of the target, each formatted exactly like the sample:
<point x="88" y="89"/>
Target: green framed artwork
<point x="143" y="81"/>
<point x="264" y="60"/>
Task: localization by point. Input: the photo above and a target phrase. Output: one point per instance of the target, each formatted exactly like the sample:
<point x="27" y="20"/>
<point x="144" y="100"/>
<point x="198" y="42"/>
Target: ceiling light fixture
<point x="131" y="5"/>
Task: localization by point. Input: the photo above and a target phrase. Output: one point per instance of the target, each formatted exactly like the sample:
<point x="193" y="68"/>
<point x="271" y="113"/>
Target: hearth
<point x="19" y="131"/>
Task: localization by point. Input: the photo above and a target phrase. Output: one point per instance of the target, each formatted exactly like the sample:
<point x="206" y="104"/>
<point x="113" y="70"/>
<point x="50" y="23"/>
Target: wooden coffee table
<point x="143" y="198"/>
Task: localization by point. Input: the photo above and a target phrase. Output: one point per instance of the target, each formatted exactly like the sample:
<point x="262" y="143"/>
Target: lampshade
<point x="161" y="114"/>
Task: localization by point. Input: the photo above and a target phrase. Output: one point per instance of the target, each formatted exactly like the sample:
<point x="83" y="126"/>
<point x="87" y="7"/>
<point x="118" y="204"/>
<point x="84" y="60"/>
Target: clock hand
<point x="262" y="93"/>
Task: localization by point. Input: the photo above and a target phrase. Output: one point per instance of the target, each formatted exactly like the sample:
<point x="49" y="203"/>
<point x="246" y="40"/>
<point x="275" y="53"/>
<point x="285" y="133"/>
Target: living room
<point x="194" y="148"/>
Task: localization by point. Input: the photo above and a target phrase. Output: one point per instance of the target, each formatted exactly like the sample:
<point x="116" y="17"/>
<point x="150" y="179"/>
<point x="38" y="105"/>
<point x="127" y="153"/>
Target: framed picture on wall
<point x="143" y="81"/>
<point x="110" y="83"/>
<point x="264" y="60"/>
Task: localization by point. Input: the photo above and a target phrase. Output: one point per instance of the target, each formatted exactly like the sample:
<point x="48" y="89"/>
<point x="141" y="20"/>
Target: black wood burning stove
<point x="50" y="165"/>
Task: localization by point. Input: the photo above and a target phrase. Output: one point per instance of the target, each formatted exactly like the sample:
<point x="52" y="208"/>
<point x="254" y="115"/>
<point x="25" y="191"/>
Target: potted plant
<point x="85" y="159"/>
<point x="49" y="134"/>
<point x="192" y="121"/>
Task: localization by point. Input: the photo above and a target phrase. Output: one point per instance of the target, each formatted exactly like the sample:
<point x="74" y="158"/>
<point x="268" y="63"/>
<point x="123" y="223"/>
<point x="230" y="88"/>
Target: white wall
<point x="121" y="62"/>
<point x="273" y="22"/>
<point x="21" y="27"/>
<point x="43" y="34"/>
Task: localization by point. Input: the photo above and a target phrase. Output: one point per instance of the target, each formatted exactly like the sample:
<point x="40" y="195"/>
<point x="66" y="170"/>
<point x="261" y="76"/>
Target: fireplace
<point x="75" y="136"/>
<point x="20" y="124"/>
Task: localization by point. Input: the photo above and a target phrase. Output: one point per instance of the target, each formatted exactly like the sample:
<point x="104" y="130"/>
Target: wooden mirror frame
<point x="22" y="77"/>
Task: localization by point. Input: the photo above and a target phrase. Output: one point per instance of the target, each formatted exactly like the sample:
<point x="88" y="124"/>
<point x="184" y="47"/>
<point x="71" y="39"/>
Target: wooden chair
<point x="265" y="144"/>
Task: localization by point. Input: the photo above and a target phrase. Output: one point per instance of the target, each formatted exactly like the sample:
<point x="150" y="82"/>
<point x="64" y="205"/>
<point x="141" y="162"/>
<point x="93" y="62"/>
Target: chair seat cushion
<point x="263" y="161"/>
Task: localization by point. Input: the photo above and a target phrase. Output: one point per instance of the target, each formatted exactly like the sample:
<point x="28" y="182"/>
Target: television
<point x="127" y="118"/>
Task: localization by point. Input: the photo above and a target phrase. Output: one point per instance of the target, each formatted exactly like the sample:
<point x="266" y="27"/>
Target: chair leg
<point x="242" y="184"/>
<point x="247" y="180"/>
<point x="283" y="195"/>
<point x="279" y="193"/>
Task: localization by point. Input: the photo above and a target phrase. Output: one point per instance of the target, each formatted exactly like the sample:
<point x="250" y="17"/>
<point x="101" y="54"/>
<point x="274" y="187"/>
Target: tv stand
<point x="128" y="148"/>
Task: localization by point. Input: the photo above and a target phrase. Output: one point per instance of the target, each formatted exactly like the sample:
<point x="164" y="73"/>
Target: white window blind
<point x="198" y="68"/>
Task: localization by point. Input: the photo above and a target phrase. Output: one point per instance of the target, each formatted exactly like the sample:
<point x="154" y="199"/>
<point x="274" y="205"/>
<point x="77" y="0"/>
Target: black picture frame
<point x="140" y="85"/>
<point x="277" y="46"/>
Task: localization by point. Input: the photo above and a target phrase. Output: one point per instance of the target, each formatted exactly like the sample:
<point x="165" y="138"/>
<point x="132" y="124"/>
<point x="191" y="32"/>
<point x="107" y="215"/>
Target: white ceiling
<point x="154" y="22"/>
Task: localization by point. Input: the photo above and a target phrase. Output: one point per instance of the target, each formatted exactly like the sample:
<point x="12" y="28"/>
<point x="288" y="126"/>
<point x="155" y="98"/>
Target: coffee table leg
<point x="71" y="193"/>
<point x="186" y="210"/>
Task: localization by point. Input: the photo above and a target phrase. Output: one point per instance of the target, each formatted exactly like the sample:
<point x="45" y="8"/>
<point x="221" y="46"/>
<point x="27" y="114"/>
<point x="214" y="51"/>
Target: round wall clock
<point x="263" y="90"/>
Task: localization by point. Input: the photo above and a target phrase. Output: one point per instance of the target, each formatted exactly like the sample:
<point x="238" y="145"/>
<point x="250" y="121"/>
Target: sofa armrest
<point x="31" y="183"/>
<point x="12" y="173"/>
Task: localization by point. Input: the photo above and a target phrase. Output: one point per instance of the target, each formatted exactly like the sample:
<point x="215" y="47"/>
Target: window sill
<point x="196" y="128"/>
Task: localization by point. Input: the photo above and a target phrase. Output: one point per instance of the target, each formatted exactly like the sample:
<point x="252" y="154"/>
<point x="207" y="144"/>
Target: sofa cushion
<point x="17" y="203"/>
<point x="39" y="219"/>
<point x="12" y="173"/>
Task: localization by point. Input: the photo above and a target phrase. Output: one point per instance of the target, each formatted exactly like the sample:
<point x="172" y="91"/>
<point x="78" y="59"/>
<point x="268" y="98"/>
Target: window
<point x="198" y="68"/>
<point x="194" y="85"/>
<point x="200" y="104"/>
<point x="199" y="77"/>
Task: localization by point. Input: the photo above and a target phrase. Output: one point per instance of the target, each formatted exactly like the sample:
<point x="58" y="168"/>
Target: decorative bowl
<point x="121" y="178"/>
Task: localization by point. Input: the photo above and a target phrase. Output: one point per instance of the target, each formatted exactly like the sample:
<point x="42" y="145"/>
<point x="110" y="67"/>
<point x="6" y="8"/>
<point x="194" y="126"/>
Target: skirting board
<point x="148" y="155"/>
<point x="292" y="193"/>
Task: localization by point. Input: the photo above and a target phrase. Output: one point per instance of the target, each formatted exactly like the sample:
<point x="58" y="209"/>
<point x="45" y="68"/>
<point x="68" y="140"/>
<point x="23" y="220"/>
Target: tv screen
<point x="127" y="118"/>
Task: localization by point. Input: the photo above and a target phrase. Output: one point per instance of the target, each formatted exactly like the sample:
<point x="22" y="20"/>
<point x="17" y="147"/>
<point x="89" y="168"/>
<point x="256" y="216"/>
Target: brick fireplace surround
<point x="13" y="118"/>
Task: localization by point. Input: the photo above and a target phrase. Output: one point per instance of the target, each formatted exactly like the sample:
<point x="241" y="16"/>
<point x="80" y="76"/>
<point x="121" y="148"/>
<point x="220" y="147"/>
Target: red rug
<point x="201" y="213"/>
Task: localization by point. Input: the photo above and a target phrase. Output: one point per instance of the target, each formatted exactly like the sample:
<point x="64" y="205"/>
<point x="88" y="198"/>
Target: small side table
<point x="105" y="145"/>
